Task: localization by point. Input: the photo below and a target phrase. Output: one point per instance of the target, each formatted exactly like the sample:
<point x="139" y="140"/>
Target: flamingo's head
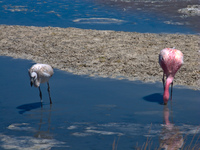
<point x="33" y="79"/>
<point x="166" y="98"/>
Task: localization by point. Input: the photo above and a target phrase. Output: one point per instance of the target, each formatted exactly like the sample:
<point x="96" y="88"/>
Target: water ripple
<point x="98" y="21"/>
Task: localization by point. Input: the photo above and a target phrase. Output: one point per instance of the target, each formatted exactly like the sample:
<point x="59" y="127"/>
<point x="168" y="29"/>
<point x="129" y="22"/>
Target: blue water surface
<point x="89" y="14"/>
<point x="91" y="113"/>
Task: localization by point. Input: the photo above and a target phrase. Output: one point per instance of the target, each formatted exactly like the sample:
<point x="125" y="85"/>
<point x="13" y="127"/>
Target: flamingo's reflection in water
<point x="43" y="131"/>
<point x="170" y="138"/>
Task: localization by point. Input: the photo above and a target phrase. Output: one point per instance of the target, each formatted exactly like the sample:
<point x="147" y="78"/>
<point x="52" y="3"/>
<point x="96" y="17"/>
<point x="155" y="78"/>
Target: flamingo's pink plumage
<point x="170" y="60"/>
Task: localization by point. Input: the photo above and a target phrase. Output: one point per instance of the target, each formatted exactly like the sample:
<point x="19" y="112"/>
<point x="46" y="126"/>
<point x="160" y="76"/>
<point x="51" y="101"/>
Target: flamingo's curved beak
<point x="31" y="83"/>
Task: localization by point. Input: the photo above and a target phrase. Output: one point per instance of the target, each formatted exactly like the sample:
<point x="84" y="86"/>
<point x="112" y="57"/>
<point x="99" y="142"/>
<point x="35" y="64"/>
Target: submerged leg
<point x="48" y="89"/>
<point x="40" y="95"/>
<point x="171" y="89"/>
<point x="163" y="80"/>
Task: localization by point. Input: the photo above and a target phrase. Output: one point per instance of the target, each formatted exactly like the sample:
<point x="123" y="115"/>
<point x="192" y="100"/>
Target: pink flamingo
<point x="170" y="60"/>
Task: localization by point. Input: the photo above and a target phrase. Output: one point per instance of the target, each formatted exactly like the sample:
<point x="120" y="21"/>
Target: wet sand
<point x="121" y="55"/>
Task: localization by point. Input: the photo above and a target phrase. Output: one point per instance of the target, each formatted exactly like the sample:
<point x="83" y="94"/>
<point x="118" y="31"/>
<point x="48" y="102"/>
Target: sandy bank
<point x="102" y="53"/>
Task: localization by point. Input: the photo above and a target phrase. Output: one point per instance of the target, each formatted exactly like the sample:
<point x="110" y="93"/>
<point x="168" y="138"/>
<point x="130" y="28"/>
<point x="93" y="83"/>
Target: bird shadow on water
<point x="155" y="98"/>
<point x="28" y="107"/>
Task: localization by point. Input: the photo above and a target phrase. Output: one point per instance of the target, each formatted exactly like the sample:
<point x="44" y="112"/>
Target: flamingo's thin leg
<point x="163" y="80"/>
<point x="171" y="89"/>
<point x="40" y="95"/>
<point x="48" y="89"/>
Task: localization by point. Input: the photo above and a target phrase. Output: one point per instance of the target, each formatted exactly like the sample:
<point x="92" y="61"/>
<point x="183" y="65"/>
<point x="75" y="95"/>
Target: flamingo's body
<point x="170" y="60"/>
<point x="41" y="73"/>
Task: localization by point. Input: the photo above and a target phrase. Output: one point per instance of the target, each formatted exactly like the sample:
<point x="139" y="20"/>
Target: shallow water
<point x="134" y="16"/>
<point x="91" y="113"/>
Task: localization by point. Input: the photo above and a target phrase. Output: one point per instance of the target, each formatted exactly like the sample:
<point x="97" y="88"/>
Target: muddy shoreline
<point x="122" y="55"/>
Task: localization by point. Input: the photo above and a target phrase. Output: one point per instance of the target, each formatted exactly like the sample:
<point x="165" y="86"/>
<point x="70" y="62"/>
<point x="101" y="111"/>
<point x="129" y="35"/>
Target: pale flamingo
<point x="170" y="59"/>
<point x="41" y="73"/>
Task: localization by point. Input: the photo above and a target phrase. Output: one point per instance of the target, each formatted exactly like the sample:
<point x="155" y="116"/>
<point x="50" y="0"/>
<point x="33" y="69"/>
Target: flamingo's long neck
<point x="166" y="92"/>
